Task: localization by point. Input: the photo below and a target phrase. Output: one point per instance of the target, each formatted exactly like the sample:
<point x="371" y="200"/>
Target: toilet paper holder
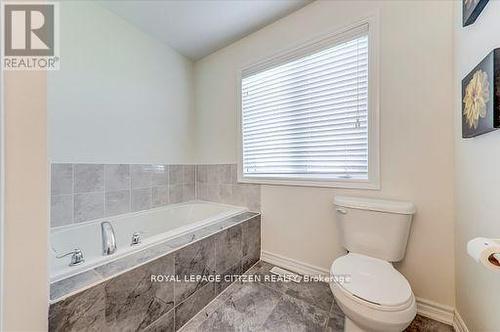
<point x="485" y="251"/>
<point x="494" y="259"/>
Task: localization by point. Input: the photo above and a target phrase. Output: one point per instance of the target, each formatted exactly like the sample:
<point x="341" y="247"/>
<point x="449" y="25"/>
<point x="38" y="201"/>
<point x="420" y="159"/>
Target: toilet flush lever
<point x="341" y="211"/>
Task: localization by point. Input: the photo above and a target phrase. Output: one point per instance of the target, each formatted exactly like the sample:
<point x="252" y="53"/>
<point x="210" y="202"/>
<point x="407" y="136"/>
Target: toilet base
<point x="350" y="326"/>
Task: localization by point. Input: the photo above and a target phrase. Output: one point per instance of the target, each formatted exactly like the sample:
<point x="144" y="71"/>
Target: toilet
<point x="373" y="295"/>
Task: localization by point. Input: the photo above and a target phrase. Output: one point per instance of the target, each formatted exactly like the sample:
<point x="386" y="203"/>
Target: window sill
<point x="347" y="184"/>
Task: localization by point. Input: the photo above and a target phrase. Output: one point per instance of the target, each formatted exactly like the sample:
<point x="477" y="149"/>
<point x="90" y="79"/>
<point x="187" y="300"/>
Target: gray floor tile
<point x="336" y="319"/>
<point x="246" y="309"/>
<point x="314" y="293"/>
<point x="424" y="324"/>
<point x="265" y="306"/>
<point x="292" y="314"/>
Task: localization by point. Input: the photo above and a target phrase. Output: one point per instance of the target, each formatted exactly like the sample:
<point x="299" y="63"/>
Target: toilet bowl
<point x="373" y="295"/>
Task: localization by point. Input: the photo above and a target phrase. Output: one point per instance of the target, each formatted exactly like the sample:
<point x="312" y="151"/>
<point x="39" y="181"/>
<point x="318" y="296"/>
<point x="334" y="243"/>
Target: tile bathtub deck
<point x="84" y="280"/>
<point x="281" y="306"/>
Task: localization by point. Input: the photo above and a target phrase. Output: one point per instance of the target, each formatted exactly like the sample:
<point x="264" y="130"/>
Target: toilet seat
<point x="376" y="297"/>
<point x="373" y="281"/>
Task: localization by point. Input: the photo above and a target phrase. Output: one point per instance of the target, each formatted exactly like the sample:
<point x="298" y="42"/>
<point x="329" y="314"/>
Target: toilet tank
<point x="374" y="227"/>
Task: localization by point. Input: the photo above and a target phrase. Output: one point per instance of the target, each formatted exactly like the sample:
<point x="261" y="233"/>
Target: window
<point x="308" y="116"/>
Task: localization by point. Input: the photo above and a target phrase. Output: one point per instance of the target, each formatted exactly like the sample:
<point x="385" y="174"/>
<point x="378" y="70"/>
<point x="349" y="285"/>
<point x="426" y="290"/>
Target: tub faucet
<point x="108" y="239"/>
<point x="76" y="256"/>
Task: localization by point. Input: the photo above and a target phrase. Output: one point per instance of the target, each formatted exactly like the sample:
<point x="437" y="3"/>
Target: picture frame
<point x="471" y="9"/>
<point x="481" y="97"/>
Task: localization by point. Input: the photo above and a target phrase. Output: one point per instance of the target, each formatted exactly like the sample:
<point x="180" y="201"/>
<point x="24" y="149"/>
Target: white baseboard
<point x="459" y="324"/>
<point x="442" y="313"/>
<point x="293" y="265"/>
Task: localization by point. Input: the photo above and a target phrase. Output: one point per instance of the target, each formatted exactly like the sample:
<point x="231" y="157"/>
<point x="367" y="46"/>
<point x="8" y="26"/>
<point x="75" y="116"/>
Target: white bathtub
<point x="155" y="225"/>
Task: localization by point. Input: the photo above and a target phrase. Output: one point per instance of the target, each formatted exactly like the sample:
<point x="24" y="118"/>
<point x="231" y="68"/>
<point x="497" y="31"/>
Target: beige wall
<point x="416" y="133"/>
<point x="25" y="287"/>
<point x="477" y="180"/>
<point x="120" y="96"/>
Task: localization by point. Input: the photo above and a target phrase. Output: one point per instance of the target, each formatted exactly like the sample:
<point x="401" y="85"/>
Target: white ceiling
<point x="196" y="28"/>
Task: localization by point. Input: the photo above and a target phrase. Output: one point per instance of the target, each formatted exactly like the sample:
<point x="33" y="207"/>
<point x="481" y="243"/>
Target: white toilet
<point x="374" y="295"/>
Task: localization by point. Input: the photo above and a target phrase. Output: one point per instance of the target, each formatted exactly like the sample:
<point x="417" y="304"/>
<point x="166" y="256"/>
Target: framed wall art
<point x="481" y="97"/>
<point x="471" y="9"/>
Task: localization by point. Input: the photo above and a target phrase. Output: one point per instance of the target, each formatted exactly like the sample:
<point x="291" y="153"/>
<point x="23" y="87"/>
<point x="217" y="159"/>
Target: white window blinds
<point x="308" y="117"/>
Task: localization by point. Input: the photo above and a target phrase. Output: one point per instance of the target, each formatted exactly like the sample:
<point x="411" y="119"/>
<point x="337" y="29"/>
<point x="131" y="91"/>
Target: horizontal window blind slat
<point x="315" y="156"/>
<point x="352" y="116"/>
<point x="339" y="112"/>
<point x="315" y="177"/>
<point x="330" y="52"/>
<point x="321" y="170"/>
<point x="304" y="134"/>
<point x="340" y="135"/>
<point x="305" y="153"/>
<point x="338" y="99"/>
<point x="313" y="49"/>
<point x="334" y="72"/>
<point x="308" y="143"/>
<point x="296" y="79"/>
<point x="308" y="117"/>
<point x="306" y="122"/>
<point x="358" y="94"/>
<point x="354" y="50"/>
<point x="358" y="70"/>
<point x="351" y="81"/>
<point x="299" y="128"/>
<point x="329" y="141"/>
<point x="311" y="163"/>
<point x="340" y="168"/>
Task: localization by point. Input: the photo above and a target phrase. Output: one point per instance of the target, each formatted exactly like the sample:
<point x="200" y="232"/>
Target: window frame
<point x="302" y="49"/>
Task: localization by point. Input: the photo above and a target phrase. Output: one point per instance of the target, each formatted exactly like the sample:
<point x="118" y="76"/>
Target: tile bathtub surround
<point x="130" y="301"/>
<point x="218" y="183"/>
<point x="83" y="192"/>
<point x="250" y="223"/>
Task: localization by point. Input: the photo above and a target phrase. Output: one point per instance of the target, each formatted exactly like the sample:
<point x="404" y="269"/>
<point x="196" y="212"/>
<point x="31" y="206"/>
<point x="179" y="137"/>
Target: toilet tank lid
<point x="373" y="204"/>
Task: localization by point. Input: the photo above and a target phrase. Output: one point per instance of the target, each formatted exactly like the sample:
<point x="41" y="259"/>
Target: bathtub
<point x="155" y="226"/>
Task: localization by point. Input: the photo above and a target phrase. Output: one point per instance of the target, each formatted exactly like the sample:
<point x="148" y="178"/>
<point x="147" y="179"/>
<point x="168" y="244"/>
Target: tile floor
<point x="280" y="306"/>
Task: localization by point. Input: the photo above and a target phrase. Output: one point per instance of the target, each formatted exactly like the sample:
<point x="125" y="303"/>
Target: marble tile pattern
<point x="133" y="301"/>
<point x="197" y="259"/>
<point x="82" y="312"/>
<point x="121" y="295"/>
<point x="218" y="183"/>
<point x="280" y="306"/>
<point x="83" y="192"/>
<point x="65" y="287"/>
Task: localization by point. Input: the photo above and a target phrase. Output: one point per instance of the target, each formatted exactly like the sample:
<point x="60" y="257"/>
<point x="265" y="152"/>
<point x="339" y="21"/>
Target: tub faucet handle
<point x="76" y="256"/>
<point x="136" y="238"/>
